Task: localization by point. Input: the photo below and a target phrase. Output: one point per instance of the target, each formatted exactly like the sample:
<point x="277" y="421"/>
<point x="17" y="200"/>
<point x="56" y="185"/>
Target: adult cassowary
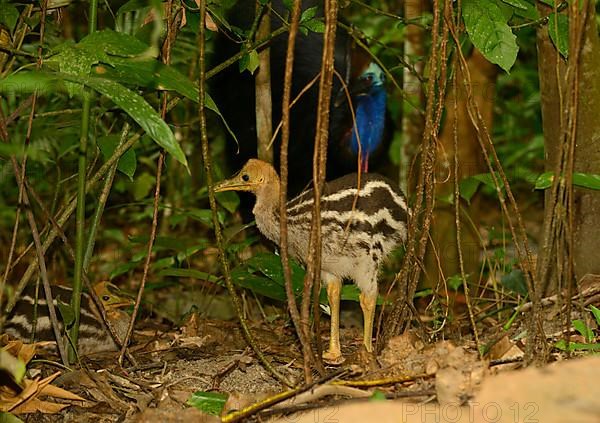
<point x="234" y="93"/>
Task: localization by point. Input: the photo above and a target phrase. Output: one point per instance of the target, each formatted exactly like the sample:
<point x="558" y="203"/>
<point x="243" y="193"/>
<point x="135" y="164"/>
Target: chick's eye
<point x="245" y="177"/>
<point x="105" y="298"/>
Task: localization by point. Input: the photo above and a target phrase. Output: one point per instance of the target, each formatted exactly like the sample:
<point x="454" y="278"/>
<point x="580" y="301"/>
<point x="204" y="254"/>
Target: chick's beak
<point x="235" y="183"/>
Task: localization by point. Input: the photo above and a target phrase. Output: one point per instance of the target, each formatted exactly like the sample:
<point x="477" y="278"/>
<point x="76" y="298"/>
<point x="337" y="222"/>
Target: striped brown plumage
<point x="360" y="227"/>
<point x="29" y="320"/>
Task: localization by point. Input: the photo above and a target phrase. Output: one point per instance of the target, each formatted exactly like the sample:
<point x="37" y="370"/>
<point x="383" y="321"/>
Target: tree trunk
<point x="413" y="123"/>
<point x="587" y="150"/>
<point x="471" y="162"/>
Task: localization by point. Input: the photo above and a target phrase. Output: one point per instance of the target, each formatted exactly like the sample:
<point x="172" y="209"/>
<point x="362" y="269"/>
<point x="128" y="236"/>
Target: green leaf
<point x="517" y="4"/>
<point x="308" y="14"/>
<point x="107" y="43"/>
<point x="142" y="185"/>
<point x="8" y="417"/>
<point x="67" y="313"/>
<point x="558" y="28"/>
<point x="314" y="25"/>
<point x="99" y="47"/>
<point x="258" y="284"/>
<point x="467" y="187"/>
<point x="544" y="181"/>
<point x="377" y="396"/>
<point x="530" y="13"/>
<point x="208" y="402"/>
<point x="123" y="268"/>
<point x="132" y="103"/>
<point x="145" y="116"/>
<point x="29" y="82"/>
<point x="596" y="312"/>
<point x="583" y="180"/>
<point x="253" y="61"/>
<point x="488" y="29"/>
<point x="8" y="15"/>
<point x="455" y="282"/>
<point x="515" y="282"/>
<point x="576" y="346"/>
<point x="583" y="330"/>
<point x="270" y="266"/>
<point x="128" y="161"/>
<point x="229" y="200"/>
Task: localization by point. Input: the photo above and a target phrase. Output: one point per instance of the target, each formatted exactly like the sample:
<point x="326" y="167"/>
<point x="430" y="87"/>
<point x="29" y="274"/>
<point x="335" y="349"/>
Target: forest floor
<point x="435" y="380"/>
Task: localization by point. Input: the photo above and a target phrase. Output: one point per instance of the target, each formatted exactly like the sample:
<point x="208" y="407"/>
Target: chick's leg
<point x="334" y="286"/>
<point x="368" y="302"/>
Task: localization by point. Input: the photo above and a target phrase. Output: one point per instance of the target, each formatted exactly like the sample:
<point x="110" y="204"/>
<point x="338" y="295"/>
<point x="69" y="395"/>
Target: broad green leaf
<point x="29" y="82"/>
<point x="530" y="13"/>
<point x="8" y="15"/>
<point x="544" y="181"/>
<point x="263" y="274"/>
<point x="518" y="4"/>
<point x="596" y="312"/>
<point x="270" y="266"/>
<point x="99" y="47"/>
<point x="132" y="103"/>
<point x="229" y="200"/>
<point x="583" y="180"/>
<point x="67" y="313"/>
<point x="576" y="346"/>
<point x="111" y="43"/>
<point x="558" y="28"/>
<point x="253" y="61"/>
<point x="467" y="187"/>
<point x="142" y="185"/>
<point x="515" y="282"/>
<point x="488" y="180"/>
<point x="208" y="402"/>
<point x="201" y="215"/>
<point x="308" y="14"/>
<point x="314" y="25"/>
<point x="156" y="75"/>
<point x="583" y="330"/>
<point x="258" y="284"/>
<point x="377" y="396"/>
<point x="163" y="263"/>
<point x="455" y="282"/>
<point x="128" y="161"/>
<point x="488" y="29"/>
<point x="145" y="116"/>
<point x="123" y="268"/>
<point x="6" y="417"/>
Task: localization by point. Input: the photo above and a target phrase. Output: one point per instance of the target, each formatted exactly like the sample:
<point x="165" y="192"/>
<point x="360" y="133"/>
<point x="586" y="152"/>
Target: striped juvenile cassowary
<point x="93" y="337"/>
<point x="355" y="241"/>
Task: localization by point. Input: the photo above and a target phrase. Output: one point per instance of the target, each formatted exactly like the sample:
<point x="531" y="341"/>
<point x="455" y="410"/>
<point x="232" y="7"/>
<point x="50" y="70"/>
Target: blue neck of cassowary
<point x="370" y="121"/>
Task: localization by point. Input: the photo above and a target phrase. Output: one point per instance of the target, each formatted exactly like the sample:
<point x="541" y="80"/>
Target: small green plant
<point x="588" y="334"/>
